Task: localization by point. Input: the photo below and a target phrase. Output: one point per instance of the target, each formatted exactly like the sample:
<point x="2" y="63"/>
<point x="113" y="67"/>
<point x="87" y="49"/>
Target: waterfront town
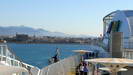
<point x="24" y="38"/>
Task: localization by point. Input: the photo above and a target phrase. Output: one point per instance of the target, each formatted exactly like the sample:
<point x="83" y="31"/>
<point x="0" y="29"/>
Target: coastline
<point x="49" y="43"/>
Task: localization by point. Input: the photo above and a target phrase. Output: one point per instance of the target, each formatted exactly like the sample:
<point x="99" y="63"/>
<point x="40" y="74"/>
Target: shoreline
<point x="50" y="43"/>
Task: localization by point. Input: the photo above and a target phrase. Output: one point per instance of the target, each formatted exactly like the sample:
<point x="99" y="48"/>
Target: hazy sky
<point x="68" y="16"/>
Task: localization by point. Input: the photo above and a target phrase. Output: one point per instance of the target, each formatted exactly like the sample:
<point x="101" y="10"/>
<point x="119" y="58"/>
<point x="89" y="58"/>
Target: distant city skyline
<point x="67" y="16"/>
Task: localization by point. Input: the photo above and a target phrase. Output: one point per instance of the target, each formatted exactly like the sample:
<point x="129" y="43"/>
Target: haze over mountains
<point x="12" y="30"/>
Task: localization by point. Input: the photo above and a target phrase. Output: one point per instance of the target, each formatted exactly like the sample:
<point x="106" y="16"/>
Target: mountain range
<point x="12" y="30"/>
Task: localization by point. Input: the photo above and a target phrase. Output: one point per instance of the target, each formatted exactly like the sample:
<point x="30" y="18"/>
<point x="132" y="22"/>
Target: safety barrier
<point x="8" y="58"/>
<point x="63" y="67"/>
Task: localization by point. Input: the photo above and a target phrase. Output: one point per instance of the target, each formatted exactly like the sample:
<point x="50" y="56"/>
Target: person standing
<point x="81" y="69"/>
<point x="85" y="69"/>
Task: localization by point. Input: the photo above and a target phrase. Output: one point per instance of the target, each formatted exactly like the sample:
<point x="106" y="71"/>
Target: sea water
<point x="38" y="54"/>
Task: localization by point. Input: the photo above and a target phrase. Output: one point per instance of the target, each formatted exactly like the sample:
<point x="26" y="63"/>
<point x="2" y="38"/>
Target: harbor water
<point x="38" y="54"/>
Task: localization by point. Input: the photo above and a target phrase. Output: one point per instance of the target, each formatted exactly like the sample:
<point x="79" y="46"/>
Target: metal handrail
<point x="16" y="61"/>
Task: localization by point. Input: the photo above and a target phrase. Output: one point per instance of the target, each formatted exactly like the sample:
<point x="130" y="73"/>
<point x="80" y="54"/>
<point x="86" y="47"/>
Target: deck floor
<point x="71" y="73"/>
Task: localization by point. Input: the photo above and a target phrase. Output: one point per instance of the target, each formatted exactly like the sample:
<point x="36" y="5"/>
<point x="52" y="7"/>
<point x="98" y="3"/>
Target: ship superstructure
<point x="118" y="35"/>
<point x="119" y="21"/>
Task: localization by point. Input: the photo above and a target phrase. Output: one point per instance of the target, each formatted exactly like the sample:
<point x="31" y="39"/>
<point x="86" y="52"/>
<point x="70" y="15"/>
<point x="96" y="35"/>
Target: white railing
<point x="128" y="45"/>
<point x="63" y="67"/>
<point x="9" y="59"/>
<point x="128" y="53"/>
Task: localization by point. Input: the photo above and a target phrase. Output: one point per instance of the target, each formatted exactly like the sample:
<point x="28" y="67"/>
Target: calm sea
<point x="38" y="54"/>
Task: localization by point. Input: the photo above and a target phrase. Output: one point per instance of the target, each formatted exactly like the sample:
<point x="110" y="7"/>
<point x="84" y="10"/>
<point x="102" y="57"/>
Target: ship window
<point x="129" y="13"/>
<point x="107" y="20"/>
<point x="114" y="26"/>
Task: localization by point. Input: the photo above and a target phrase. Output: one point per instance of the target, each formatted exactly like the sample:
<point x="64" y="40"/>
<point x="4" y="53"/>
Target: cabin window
<point x="114" y="26"/>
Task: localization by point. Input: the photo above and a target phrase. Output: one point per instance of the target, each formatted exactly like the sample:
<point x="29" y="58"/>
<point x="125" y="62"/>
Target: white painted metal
<point x="62" y="67"/>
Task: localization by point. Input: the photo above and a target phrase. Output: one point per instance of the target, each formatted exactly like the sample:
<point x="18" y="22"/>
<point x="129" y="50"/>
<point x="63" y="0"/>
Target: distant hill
<point x="12" y="30"/>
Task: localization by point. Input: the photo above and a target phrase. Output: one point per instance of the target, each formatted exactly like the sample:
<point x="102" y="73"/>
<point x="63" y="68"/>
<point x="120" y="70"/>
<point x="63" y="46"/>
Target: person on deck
<point x="56" y="59"/>
<point x="86" y="56"/>
<point x="81" y="68"/>
<point x="85" y="70"/>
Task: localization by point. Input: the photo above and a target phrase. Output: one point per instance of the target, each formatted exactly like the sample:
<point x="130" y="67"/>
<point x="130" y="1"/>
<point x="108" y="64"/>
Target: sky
<point x="67" y="16"/>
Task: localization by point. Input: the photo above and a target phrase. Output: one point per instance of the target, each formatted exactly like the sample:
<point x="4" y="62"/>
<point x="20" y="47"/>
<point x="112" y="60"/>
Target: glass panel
<point x="8" y="53"/>
<point x="4" y="50"/>
<point x="0" y="50"/>
<point x="11" y="62"/>
<point x="128" y="13"/>
<point x="8" y="61"/>
<point x="16" y="63"/>
<point x="4" y="58"/>
<point x="20" y="64"/>
<point x="0" y="58"/>
<point x="23" y="73"/>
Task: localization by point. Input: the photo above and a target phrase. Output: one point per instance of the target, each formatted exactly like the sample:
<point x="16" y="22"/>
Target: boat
<point x="117" y="40"/>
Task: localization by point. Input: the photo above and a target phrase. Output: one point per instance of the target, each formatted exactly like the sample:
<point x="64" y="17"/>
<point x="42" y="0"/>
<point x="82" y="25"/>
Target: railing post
<point x="47" y="71"/>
